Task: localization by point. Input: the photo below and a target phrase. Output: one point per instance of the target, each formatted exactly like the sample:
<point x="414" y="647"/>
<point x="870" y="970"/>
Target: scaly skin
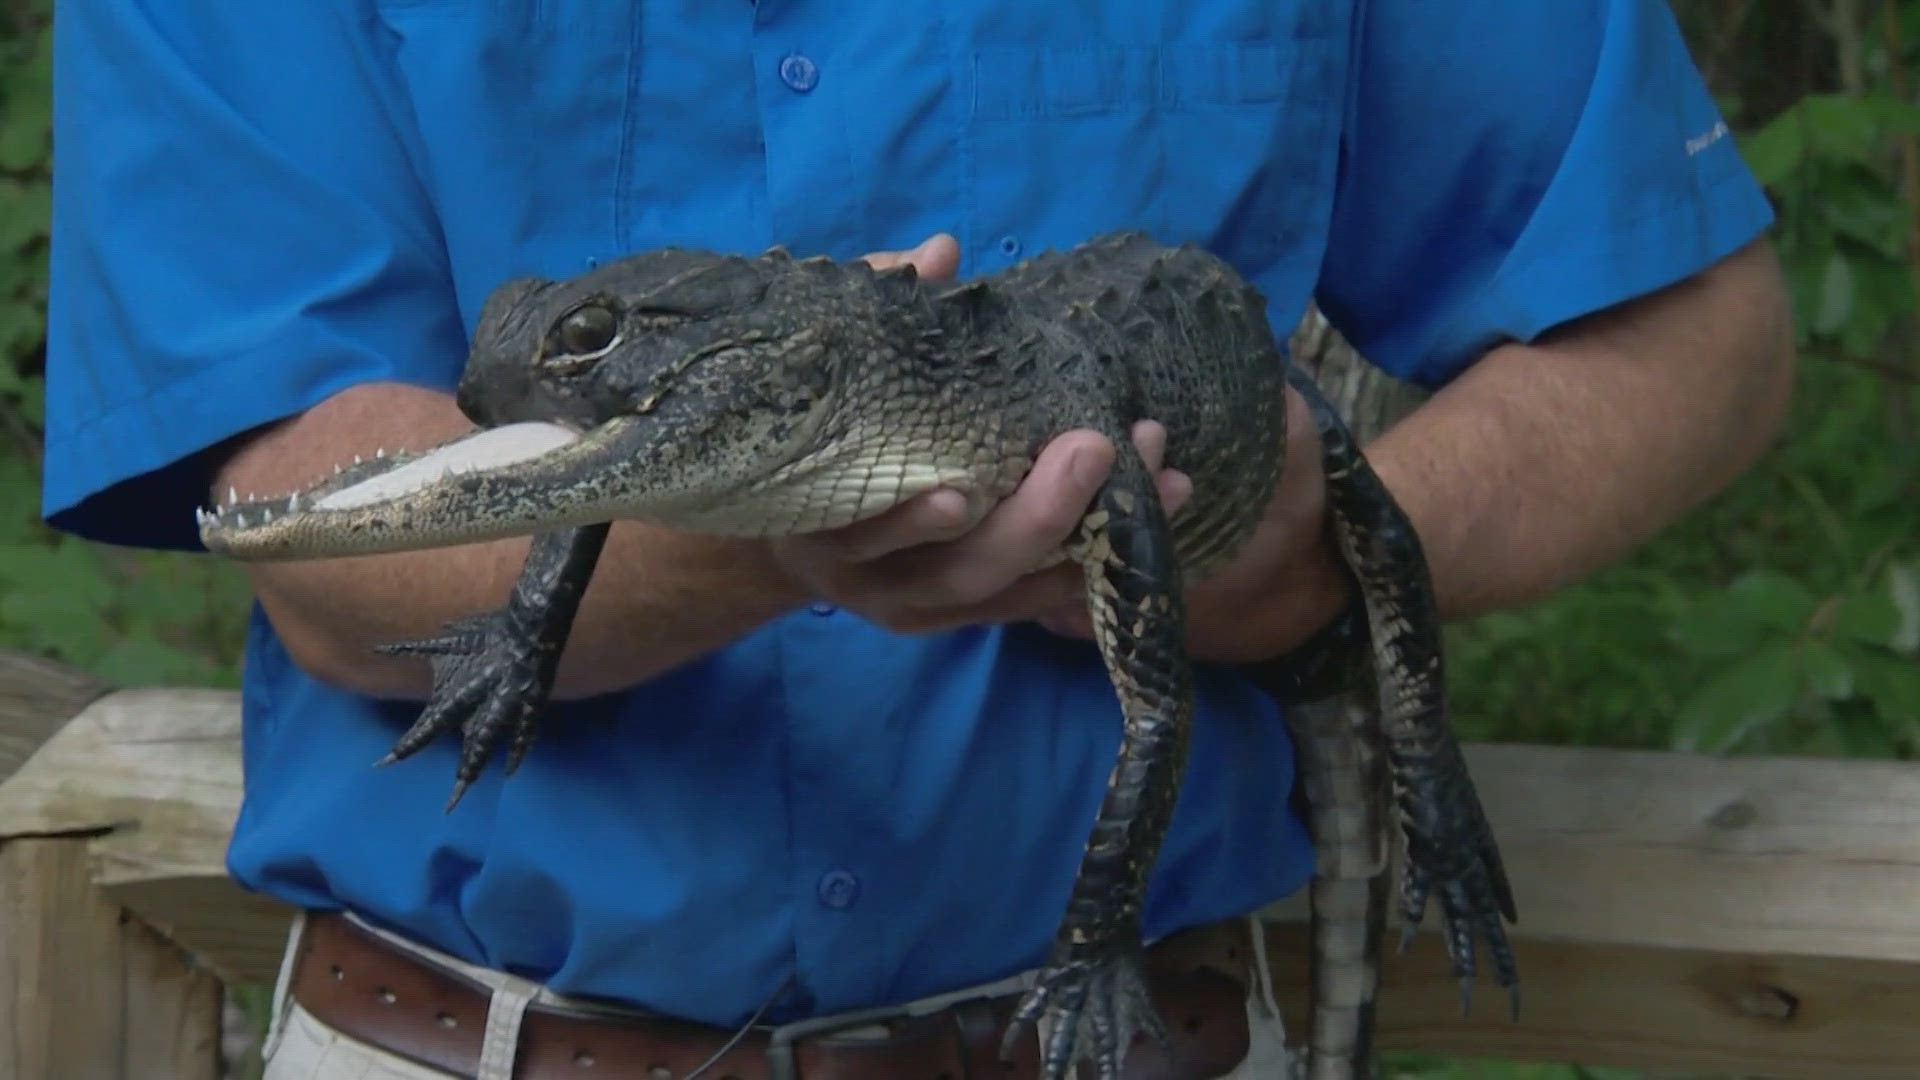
<point x="1450" y="845"/>
<point x="767" y="396"/>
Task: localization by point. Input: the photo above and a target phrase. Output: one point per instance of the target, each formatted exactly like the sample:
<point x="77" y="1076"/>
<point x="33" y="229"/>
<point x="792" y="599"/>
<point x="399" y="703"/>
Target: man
<point x="802" y="778"/>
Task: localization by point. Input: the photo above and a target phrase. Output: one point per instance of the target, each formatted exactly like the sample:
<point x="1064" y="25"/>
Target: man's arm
<point x="1544" y="462"/>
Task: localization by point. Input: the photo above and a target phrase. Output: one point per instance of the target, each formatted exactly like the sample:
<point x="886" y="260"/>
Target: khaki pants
<point x="299" y="1047"/>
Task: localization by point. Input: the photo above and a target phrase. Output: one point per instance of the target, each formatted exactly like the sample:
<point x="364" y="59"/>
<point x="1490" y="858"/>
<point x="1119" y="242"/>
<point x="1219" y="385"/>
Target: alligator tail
<point x="1346" y="786"/>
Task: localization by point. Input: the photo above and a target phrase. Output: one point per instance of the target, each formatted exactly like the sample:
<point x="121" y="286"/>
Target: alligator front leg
<point x="1450" y="846"/>
<point x="1093" y="990"/>
<point x="493" y="672"/>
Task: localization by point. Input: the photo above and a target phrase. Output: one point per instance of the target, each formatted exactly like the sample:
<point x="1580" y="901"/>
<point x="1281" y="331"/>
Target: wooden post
<point x="89" y="991"/>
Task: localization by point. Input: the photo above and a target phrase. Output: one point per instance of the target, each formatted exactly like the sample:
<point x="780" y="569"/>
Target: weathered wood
<point x="58" y="963"/>
<point x="1783" y="1017"/>
<point x="172" y="1014"/>
<point x="155" y="773"/>
<point x="36" y="697"/>
<point x="1750" y="915"/>
<point x="87" y="991"/>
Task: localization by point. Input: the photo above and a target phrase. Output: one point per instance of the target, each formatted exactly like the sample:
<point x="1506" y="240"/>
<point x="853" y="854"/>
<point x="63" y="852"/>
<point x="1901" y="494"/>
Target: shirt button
<point x="821" y="609"/>
<point x="799" y="73"/>
<point x="1009" y="246"/>
<point x="838" y="889"/>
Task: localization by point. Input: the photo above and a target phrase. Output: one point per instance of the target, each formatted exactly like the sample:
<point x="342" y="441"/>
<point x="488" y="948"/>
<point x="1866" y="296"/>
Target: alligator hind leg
<point x="493" y="672"/>
<point x="1093" y="990"/>
<point x="1451" y="849"/>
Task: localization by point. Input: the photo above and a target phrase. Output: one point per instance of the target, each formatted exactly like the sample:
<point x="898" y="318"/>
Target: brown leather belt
<point x="360" y="985"/>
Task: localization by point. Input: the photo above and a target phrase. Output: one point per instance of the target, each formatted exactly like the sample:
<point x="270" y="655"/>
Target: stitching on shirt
<point x="623" y="168"/>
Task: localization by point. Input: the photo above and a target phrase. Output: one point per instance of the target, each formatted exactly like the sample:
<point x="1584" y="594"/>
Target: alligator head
<point x="715" y="393"/>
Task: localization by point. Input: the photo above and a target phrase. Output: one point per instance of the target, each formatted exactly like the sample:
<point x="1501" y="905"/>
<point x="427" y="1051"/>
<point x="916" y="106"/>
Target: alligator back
<point x="1122" y="329"/>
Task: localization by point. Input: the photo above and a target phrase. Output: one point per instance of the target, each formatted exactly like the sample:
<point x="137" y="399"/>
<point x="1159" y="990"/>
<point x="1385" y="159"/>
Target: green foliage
<point x="1845" y="240"/>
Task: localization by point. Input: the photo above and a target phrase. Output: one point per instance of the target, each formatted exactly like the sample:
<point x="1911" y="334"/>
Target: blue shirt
<point x="258" y="205"/>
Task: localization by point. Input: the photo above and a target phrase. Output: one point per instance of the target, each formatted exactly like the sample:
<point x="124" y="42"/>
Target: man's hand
<point x="920" y="567"/>
<point x="1286" y="583"/>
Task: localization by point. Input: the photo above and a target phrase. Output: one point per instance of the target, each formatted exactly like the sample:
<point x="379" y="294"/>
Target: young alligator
<point x="759" y="396"/>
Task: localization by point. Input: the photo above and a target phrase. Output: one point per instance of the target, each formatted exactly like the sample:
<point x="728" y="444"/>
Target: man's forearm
<point x="1544" y="463"/>
<point x="658" y="599"/>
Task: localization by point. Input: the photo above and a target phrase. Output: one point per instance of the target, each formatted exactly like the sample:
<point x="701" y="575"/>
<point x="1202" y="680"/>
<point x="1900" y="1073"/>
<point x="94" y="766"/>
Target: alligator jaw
<point x="514" y="480"/>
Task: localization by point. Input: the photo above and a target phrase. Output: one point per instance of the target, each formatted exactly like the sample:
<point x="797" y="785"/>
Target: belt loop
<point x="506" y="1008"/>
<point x="282" y="1000"/>
<point x="1262" y="966"/>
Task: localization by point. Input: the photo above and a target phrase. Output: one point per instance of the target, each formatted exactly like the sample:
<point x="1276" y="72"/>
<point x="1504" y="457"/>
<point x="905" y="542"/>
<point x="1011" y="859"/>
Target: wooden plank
<point x="60" y="981"/>
<point x="234" y="934"/>
<point x="172" y="1010"/>
<point x="89" y="991"/>
<point x="1754" y="915"/>
<point x="1784" y="1017"/>
<point x="156" y="775"/>
<point x="36" y="697"/>
<point x="1792" y="856"/>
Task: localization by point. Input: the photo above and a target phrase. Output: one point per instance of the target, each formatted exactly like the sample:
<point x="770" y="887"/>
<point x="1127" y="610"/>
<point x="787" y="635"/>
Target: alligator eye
<point x="587" y="330"/>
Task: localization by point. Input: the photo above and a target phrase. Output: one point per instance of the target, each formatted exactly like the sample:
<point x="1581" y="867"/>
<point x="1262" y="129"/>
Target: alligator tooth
<point x="266" y="516"/>
<point x="336" y="469"/>
<point x="380" y="452"/>
<point x="293" y="502"/>
<point x="233" y="496"/>
<point x="240" y="520"/>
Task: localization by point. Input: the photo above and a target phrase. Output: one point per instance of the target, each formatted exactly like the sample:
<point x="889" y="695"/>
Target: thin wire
<point x="744" y="1029"/>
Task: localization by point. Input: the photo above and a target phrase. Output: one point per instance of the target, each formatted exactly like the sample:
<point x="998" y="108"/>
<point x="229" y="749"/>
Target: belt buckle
<point x="781" y="1038"/>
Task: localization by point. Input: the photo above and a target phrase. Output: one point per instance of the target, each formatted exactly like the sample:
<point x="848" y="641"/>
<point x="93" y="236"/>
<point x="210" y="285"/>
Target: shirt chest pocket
<point x="518" y="109"/>
<point x="1230" y="145"/>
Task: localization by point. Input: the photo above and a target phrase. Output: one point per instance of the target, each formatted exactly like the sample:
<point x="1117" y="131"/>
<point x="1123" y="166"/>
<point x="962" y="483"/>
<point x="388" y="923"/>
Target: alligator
<point x="760" y="395"/>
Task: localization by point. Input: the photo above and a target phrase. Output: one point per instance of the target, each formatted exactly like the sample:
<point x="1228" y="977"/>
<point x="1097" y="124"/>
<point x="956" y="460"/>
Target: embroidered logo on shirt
<point x="1701" y="142"/>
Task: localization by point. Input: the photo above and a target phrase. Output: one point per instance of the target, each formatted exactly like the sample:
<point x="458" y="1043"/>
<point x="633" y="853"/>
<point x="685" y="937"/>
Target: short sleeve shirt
<point x="257" y="206"/>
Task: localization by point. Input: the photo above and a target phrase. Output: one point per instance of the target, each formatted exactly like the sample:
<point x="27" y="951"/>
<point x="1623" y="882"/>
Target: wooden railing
<point x="1754" y="917"/>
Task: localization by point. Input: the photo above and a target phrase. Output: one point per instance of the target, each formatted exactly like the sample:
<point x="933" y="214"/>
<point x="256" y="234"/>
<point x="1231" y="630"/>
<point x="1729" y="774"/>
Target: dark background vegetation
<point x="1782" y="617"/>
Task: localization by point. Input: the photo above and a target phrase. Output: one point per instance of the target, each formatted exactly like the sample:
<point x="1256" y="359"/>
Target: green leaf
<point x="26" y="121"/>
<point x="1716" y="626"/>
<point x="1775" y="152"/>
<point x="69" y="572"/>
<point x="25" y="212"/>
<point x="140" y="659"/>
<point x="24" y="136"/>
<point x="22" y="326"/>
<point x="1869" y="618"/>
<point x="46" y="622"/>
<point x="1893" y="685"/>
<point x="1828" y="672"/>
<point x="1835" y="304"/>
<point x="1758" y="606"/>
<point x="1903" y="588"/>
<point x="1740" y="701"/>
<point x="1774" y="598"/>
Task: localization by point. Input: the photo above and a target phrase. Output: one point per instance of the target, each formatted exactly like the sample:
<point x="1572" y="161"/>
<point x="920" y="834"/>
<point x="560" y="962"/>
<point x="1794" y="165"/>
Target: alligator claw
<point x="1093" y="1008"/>
<point x="493" y="673"/>
<point x="491" y="681"/>
<point x="1451" y="852"/>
